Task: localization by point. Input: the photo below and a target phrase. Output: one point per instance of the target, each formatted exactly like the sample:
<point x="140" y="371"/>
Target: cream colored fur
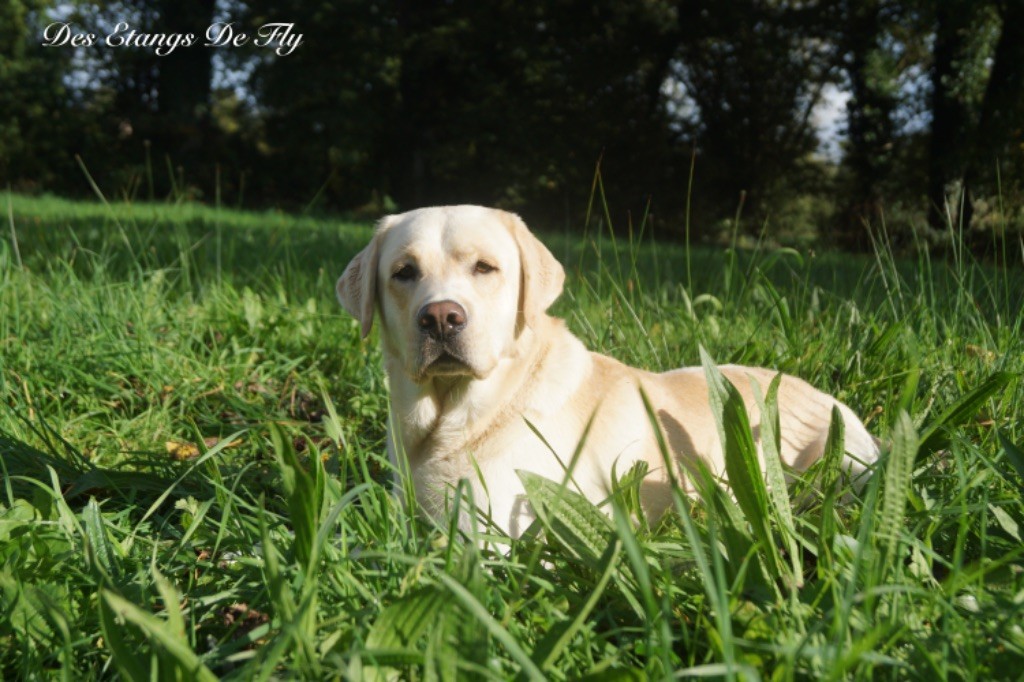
<point x="516" y="363"/>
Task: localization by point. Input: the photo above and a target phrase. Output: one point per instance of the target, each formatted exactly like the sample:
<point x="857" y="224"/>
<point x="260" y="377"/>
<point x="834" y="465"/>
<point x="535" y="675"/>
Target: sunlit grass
<point x="195" y="482"/>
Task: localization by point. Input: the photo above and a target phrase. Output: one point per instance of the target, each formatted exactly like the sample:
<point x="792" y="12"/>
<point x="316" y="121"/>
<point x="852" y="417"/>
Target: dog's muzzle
<point x="441" y="348"/>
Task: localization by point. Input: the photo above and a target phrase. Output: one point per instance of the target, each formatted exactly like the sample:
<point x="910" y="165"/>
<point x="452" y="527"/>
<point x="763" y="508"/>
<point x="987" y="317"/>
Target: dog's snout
<point x="442" y="319"/>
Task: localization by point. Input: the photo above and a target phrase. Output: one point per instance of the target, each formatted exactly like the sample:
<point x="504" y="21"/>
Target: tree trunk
<point x="180" y="130"/>
<point x="870" y="117"/>
<point x="1000" y="121"/>
<point x="183" y="85"/>
<point x="947" y="166"/>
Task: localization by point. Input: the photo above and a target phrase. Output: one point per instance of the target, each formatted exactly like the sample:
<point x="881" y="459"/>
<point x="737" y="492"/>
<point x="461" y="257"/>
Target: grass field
<point x="195" y="484"/>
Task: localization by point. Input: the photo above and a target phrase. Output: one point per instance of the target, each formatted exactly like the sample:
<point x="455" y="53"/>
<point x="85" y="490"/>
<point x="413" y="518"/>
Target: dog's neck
<point x="446" y="415"/>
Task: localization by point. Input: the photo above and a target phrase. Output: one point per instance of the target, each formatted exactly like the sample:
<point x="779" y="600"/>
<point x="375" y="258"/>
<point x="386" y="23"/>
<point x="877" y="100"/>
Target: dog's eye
<point x="406" y="273"/>
<point x="483" y="268"/>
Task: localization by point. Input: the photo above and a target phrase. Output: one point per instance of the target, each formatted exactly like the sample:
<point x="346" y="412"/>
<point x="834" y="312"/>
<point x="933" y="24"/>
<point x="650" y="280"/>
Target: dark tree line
<point x="398" y="103"/>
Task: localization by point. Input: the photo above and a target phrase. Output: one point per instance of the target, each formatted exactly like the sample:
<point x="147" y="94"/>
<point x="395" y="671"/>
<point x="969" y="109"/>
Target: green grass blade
<point x="172" y="605"/>
<point x="899" y="470"/>
<point x="778" y="491"/>
<point x="1015" y="455"/>
<point x="401" y="624"/>
<point x="97" y="546"/>
<point x="557" y="639"/>
<point x="711" y="570"/>
<point x="124" y="653"/>
<point x="476" y="610"/>
<point x="180" y="654"/>
<point x="304" y="494"/>
<point x="742" y="463"/>
<point x="569" y="518"/>
<point x="935" y="436"/>
<point x="831" y="469"/>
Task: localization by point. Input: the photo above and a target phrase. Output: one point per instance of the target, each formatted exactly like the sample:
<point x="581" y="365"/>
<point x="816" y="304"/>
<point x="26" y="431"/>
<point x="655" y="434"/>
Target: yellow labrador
<point x="471" y="355"/>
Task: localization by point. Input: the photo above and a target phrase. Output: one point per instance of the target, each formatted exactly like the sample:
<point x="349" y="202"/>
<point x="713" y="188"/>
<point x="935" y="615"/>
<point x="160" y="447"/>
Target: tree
<point x="34" y="109"/>
<point x="951" y="112"/>
<point x="517" y="102"/>
<point x="872" y="74"/>
<point x="754" y="71"/>
<point x="509" y="103"/>
<point x="326" y="108"/>
<point x="1000" y="129"/>
<point x="162" y="100"/>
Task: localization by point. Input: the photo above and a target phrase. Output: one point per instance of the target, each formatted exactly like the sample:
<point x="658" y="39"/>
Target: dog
<point x="478" y="372"/>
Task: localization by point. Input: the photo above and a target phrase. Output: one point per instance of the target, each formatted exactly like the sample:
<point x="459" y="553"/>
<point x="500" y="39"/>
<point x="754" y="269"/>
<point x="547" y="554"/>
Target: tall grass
<point x="195" y="484"/>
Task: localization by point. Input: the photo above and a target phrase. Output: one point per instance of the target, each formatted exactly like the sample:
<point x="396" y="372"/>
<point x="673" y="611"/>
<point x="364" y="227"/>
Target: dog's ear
<point x="541" y="276"/>
<point x="357" y="286"/>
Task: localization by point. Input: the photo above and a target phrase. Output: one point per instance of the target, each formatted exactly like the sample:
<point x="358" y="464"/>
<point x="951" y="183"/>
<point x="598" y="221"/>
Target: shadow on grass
<point x="26" y="468"/>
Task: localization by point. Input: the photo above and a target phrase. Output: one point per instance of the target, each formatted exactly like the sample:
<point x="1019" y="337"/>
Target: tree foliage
<point x="34" y="107"/>
<point x="754" y="71"/>
<point x="394" y="103"/>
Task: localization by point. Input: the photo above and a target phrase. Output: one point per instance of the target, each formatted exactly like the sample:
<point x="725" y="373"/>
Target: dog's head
<point x="455" y="287"/>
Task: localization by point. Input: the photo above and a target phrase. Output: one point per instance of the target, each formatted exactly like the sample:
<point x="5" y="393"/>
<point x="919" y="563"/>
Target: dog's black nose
<point x="442" y="320"/>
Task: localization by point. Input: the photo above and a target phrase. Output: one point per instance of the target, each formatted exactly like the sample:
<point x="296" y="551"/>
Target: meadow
<point x="195" y="484"/>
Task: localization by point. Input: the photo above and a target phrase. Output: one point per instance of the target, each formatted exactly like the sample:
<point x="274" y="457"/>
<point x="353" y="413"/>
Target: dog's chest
<point x="488" y="466"/>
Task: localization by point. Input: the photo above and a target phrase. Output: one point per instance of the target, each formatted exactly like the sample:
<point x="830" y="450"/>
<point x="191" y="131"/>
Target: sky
<point x="829" y="117"/>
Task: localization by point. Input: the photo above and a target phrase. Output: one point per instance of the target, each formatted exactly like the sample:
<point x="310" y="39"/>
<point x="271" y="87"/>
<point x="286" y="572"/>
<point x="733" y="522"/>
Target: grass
<point x="195" y="484"/>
